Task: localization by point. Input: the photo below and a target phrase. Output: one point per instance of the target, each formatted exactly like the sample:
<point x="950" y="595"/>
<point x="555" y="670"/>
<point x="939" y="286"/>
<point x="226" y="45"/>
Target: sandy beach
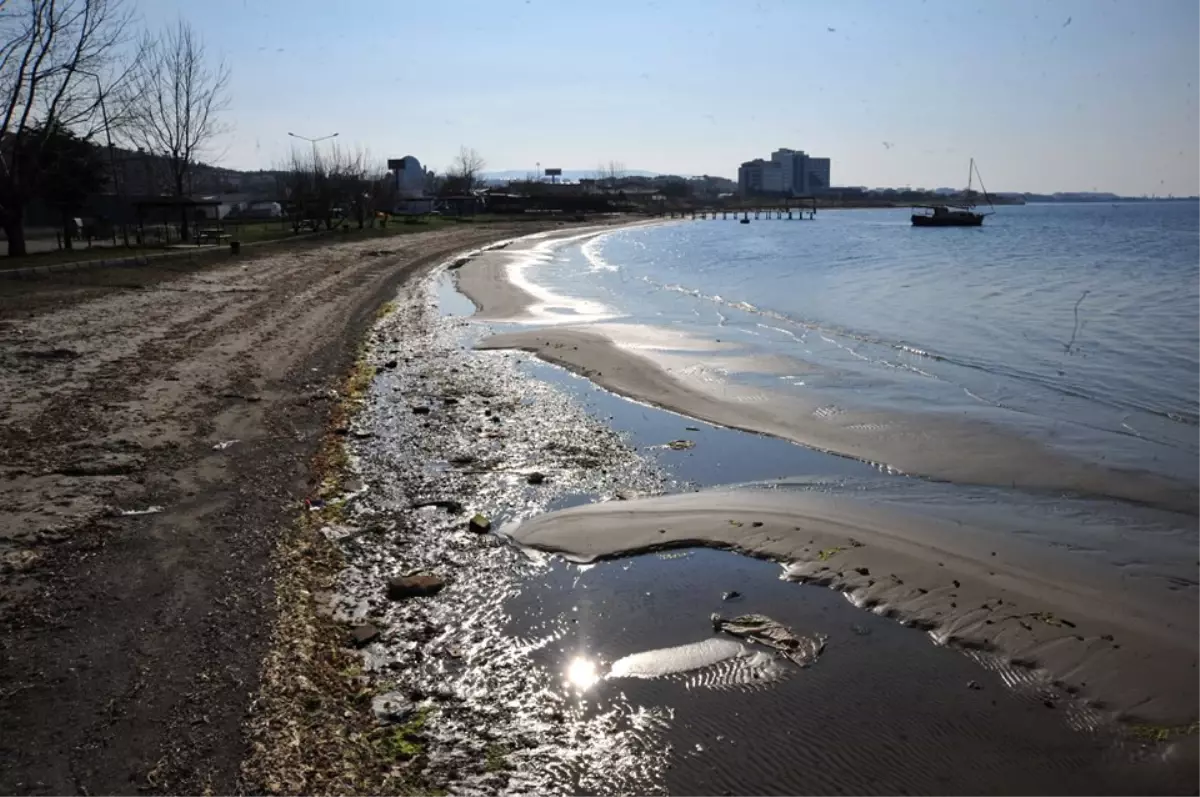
<point x="438" y="563"/>
<point x="160" y="425"/>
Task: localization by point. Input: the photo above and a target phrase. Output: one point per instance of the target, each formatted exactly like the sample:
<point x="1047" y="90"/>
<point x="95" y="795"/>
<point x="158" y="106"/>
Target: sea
<point x="1075" y="325"/>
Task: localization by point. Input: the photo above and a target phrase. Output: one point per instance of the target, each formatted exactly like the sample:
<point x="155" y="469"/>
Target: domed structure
<point x="410" y="177"/>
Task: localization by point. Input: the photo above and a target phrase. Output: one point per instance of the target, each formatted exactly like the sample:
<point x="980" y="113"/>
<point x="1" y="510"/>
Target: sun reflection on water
<point x="581" y="673"/>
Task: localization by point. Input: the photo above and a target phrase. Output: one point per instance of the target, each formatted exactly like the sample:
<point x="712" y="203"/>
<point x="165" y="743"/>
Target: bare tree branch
<point x="55" y="56"/>
<point x="464" y="172"/>
<point x="179" y="99"/>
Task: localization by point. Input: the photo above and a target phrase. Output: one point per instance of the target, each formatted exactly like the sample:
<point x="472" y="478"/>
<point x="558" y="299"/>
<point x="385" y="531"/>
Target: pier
<point x="801" y="208"/>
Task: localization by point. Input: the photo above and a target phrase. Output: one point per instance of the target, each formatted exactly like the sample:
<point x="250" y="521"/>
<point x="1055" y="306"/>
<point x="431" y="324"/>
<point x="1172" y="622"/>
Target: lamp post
<point x="112" y="157"/>
<point x="314" y="142"/>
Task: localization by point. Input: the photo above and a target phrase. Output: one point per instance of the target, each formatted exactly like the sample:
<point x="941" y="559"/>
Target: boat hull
<point x="966" y="220"/>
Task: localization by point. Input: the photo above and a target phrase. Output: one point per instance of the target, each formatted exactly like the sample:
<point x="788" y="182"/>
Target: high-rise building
<point x="760" y="177"/>
<point x="818" y="175"/>
<point x="789" y="172"/>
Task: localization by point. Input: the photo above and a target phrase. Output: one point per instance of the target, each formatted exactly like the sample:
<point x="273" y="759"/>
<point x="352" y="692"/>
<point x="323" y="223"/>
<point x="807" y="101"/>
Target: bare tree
<point x="325" y="189"/>
<point x="611" y="172"/>
<point x="178" y="100"/>
<point x="463" y="174"/>
<point x="58" y="61"/>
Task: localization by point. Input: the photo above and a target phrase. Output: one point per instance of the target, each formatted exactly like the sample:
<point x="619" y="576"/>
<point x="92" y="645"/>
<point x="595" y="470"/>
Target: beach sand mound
<point x="1127" y="646"/>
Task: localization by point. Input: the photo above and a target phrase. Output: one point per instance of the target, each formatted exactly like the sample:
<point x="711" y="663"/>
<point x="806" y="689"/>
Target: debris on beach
<point x="364" y="634"/>
<point x="479" y="524"/>
<point x="414" y="586"/>
<point x="730" y="595"/>
<point x="224" y="444"/>
<point x="449" y="504"/>
<point x="392" y="707"/>
<point x="535" y="478"/>
<point x="765" y="631"/>
<point x="150" y="510"/>
<point x="681" y="445"/>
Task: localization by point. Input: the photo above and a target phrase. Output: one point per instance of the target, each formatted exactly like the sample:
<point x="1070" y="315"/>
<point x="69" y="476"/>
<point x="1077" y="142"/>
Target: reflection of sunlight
<point x="581" y="673"/>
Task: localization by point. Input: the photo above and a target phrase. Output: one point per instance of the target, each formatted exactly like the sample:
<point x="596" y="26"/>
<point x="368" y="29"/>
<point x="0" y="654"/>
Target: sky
<point x="1046" y="95"/>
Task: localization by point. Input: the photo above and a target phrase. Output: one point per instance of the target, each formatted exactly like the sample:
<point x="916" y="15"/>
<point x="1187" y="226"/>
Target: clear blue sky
<point x="1046" y="95"/>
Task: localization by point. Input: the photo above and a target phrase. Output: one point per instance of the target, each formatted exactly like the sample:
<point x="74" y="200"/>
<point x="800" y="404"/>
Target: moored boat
<point x="954" y="214"/>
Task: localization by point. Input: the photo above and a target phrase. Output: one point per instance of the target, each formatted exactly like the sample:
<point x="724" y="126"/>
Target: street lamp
<point x="112" y="157"/>
<point x="314" y="142"/>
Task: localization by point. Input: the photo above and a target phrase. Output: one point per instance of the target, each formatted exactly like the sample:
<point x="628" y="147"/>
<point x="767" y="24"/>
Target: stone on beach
<point x="417" y="586"/>
<point x="363" y="634"/>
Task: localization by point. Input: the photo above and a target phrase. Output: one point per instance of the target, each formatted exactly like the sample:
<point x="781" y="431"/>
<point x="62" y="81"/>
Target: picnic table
<point x="214" y="234"/>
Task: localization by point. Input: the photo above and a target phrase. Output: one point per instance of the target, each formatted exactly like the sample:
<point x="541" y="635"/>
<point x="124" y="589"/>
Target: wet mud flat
<point x="882" y="711"/>
<point x="488" y="667"/>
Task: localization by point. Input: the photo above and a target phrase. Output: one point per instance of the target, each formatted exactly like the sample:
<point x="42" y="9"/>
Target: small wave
<point x="591" y="251"/>
<point x="835" y="335"/>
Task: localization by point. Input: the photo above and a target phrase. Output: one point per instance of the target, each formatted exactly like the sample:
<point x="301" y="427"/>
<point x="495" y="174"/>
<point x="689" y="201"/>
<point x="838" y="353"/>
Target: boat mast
<point x="986" y="196"/>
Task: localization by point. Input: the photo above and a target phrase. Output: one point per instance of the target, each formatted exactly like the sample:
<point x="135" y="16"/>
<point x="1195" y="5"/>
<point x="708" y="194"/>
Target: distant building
<point x="789" y="172"/>
<point x="409" y="180"/>
<point x="817" y="175"/>
<point x="760" y="177"/>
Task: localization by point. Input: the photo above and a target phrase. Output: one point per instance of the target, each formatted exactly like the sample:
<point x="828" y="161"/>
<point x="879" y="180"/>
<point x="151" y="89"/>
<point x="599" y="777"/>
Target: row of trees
<point x="71" y="69"/>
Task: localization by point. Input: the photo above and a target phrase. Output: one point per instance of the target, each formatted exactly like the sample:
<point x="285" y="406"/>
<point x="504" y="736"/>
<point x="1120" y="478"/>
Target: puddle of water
<point x="882" y="711"/>
<point x="450" y="302"/>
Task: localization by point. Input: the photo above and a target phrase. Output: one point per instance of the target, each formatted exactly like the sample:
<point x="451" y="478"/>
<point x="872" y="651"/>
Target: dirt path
<point x="130" y="644"/>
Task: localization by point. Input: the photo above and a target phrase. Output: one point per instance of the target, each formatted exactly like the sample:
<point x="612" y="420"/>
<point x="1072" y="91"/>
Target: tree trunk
<point x="66" y="229"/>
<point x="13" y="222"/>
<point x="183" y="209"/>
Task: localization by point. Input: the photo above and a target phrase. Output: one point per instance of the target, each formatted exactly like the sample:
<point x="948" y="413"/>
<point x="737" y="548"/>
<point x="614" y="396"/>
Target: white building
<point x="409" y="178"/>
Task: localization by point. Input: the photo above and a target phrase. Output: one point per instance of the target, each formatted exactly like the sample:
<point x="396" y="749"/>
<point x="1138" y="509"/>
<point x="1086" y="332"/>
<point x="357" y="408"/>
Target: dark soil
<point x="131" y="644"/>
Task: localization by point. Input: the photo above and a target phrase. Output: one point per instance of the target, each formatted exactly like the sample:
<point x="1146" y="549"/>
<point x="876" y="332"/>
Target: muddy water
<point x="509" y="663"/>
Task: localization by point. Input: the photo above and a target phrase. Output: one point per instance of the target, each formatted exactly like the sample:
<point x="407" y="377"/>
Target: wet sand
<point x="882" y="711"/>
<point x="930" y="445"/>
<point x="1128" y="646"/>
<point x="659" y="366"/>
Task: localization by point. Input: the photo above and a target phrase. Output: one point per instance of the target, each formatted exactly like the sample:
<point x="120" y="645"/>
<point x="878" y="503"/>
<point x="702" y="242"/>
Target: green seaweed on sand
<point x="1162" y="733"/>
<point x="828" y="553"/>
<point x="406" y="741"/>
<point x="1050" y="619"/>
<point x="496" y="758"/>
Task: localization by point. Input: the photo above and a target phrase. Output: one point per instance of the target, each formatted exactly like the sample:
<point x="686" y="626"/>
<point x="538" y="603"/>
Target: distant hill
<point x="568" y="174"/>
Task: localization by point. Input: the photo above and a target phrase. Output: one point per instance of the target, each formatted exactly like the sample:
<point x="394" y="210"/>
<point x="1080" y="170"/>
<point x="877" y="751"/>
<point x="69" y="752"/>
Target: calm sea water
<point x="1074" y="324"/>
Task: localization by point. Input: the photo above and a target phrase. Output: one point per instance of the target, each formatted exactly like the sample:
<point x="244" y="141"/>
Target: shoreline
<point x="1108" y="672"/>
<point x="918" y="445"/>
<point x="494" y="719"/>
